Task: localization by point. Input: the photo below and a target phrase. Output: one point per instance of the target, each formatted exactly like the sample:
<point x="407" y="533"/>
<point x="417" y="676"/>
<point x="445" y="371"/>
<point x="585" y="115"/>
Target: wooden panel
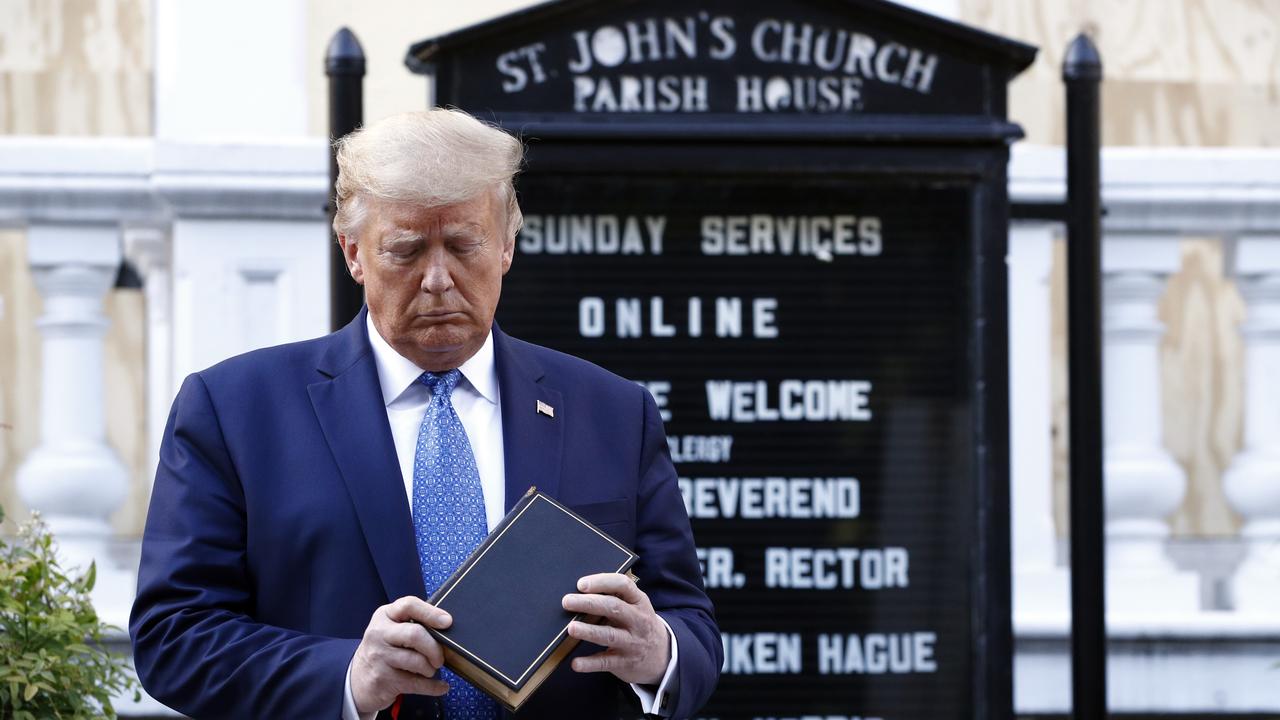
<point x="19" y="367"/>
<point x="1184" y="72"/>
<point x="75" y="67"/>
<point x="1058" y="384"/>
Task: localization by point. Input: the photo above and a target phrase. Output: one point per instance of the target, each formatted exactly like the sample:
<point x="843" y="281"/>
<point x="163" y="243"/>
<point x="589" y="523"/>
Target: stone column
<point x="73" y="477"/>
<point x="1143" y="483"/>
<point x="1252" y="483"/>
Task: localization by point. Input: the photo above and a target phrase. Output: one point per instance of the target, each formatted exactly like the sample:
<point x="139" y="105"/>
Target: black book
<point x="509" y="628"/>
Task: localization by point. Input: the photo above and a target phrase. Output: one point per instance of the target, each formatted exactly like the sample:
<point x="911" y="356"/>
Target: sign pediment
<point x="720" y="58"/>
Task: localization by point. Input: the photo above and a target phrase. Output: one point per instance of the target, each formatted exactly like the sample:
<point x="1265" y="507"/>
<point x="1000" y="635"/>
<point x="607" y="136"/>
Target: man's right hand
<point x="397" y="655"/>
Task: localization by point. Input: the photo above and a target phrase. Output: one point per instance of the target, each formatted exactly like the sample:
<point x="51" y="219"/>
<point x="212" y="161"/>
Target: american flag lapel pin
<point x="545" y="409"/>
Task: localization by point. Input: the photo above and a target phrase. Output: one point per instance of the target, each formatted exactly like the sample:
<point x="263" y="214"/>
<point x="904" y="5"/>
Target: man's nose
<point x="437" y="278"/>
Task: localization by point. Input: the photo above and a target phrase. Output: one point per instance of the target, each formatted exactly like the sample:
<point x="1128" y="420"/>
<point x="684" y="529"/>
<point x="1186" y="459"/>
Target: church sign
<point x="787" y="221"/>
<point x="779" y="65"/>
<point x="711" y="59"/>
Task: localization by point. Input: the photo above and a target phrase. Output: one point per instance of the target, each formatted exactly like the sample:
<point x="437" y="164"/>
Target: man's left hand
<point x="638" y="646"/>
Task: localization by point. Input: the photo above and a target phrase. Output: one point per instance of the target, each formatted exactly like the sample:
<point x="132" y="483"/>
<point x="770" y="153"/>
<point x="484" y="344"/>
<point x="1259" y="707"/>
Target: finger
<point x="600" y="662"/>
<point x="604" y="635"/>
<point x="610" y="608"/>
<point x="414" y="684"/>
<point x="409" y="608"/>
<point x="614" y="584"/>
<point x="415" y="637"/>
<point x="410" y="661"/>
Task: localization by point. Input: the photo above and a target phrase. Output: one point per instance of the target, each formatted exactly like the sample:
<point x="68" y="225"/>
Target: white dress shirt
<point x="478" y="402"/>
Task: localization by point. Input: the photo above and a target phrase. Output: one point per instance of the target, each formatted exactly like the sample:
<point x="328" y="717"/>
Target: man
<point x="309" y="496"/>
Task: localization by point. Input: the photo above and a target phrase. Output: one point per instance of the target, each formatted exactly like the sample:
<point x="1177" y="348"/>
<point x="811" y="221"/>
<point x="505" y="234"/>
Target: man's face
<point x="432" y="276"/>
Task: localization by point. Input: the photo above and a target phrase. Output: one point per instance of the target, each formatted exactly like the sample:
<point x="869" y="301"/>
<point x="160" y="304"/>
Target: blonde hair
<point x="429" y="157"/>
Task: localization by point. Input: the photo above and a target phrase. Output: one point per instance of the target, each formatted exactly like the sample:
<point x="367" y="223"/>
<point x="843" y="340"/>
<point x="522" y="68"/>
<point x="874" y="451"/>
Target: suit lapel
<point x="532" y="440"/>
<point x="349" y="407"/>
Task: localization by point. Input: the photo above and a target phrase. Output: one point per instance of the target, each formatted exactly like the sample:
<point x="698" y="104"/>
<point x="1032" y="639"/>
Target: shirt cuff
<point x="349" y="703"/>
<point x="654" y="702"/>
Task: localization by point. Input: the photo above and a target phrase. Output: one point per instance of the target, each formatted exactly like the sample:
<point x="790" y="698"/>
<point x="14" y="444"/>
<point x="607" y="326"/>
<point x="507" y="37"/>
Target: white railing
<point x="1171" y="650"/>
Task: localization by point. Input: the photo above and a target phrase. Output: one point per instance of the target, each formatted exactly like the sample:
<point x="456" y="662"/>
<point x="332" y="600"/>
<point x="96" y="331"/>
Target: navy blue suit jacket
<point x="279" y="523"/>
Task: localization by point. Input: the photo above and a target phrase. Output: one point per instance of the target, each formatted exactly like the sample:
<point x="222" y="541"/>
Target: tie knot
<point x="441" y="384"/>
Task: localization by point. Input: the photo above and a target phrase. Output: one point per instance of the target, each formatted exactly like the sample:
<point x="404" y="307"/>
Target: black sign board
<point x="788" y="221"/>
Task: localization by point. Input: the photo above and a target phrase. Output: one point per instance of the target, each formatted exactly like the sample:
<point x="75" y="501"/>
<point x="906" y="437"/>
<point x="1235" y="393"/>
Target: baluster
<point x="1143" y="483"/>
<point x="73" y="477"/>
<point x="1252" y="483"/>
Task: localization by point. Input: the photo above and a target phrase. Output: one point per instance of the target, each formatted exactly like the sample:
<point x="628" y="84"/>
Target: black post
<point x="1082" y="71"/>
<point x="344" y="64"/>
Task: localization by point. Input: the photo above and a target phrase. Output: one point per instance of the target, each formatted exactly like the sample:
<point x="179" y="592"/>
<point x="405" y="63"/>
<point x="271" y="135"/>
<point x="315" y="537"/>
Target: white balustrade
<point x="1252" y="483"/>
<point x="73" y="477"/>
<point x="1142" y="483"/>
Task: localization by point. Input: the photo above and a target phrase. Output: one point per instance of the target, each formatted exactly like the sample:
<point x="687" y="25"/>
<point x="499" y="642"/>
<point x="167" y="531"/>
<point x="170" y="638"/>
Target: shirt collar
<point x="397" y="373"/>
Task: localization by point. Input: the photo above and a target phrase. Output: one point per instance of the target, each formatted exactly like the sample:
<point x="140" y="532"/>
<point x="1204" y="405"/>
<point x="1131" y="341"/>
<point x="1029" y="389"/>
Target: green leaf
<point x="90" y="577"/>
<point x="30" y="692"/>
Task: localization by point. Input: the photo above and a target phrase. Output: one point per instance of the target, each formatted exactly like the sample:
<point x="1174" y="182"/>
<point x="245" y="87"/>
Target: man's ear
<point x="508" y="253"/>
<point x="351" y="253"/>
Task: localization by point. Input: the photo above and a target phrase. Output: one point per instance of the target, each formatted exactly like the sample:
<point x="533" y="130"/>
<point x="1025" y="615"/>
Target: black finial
<point x="344" y="56"/>
<point x="1082" y="61"/>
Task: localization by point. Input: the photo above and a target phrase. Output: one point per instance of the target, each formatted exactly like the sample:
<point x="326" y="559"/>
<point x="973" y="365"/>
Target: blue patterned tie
<point x="448" y="517"/>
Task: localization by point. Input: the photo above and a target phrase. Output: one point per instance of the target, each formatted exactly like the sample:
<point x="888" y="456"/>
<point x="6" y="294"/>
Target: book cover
<point x="509" y="629"/>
